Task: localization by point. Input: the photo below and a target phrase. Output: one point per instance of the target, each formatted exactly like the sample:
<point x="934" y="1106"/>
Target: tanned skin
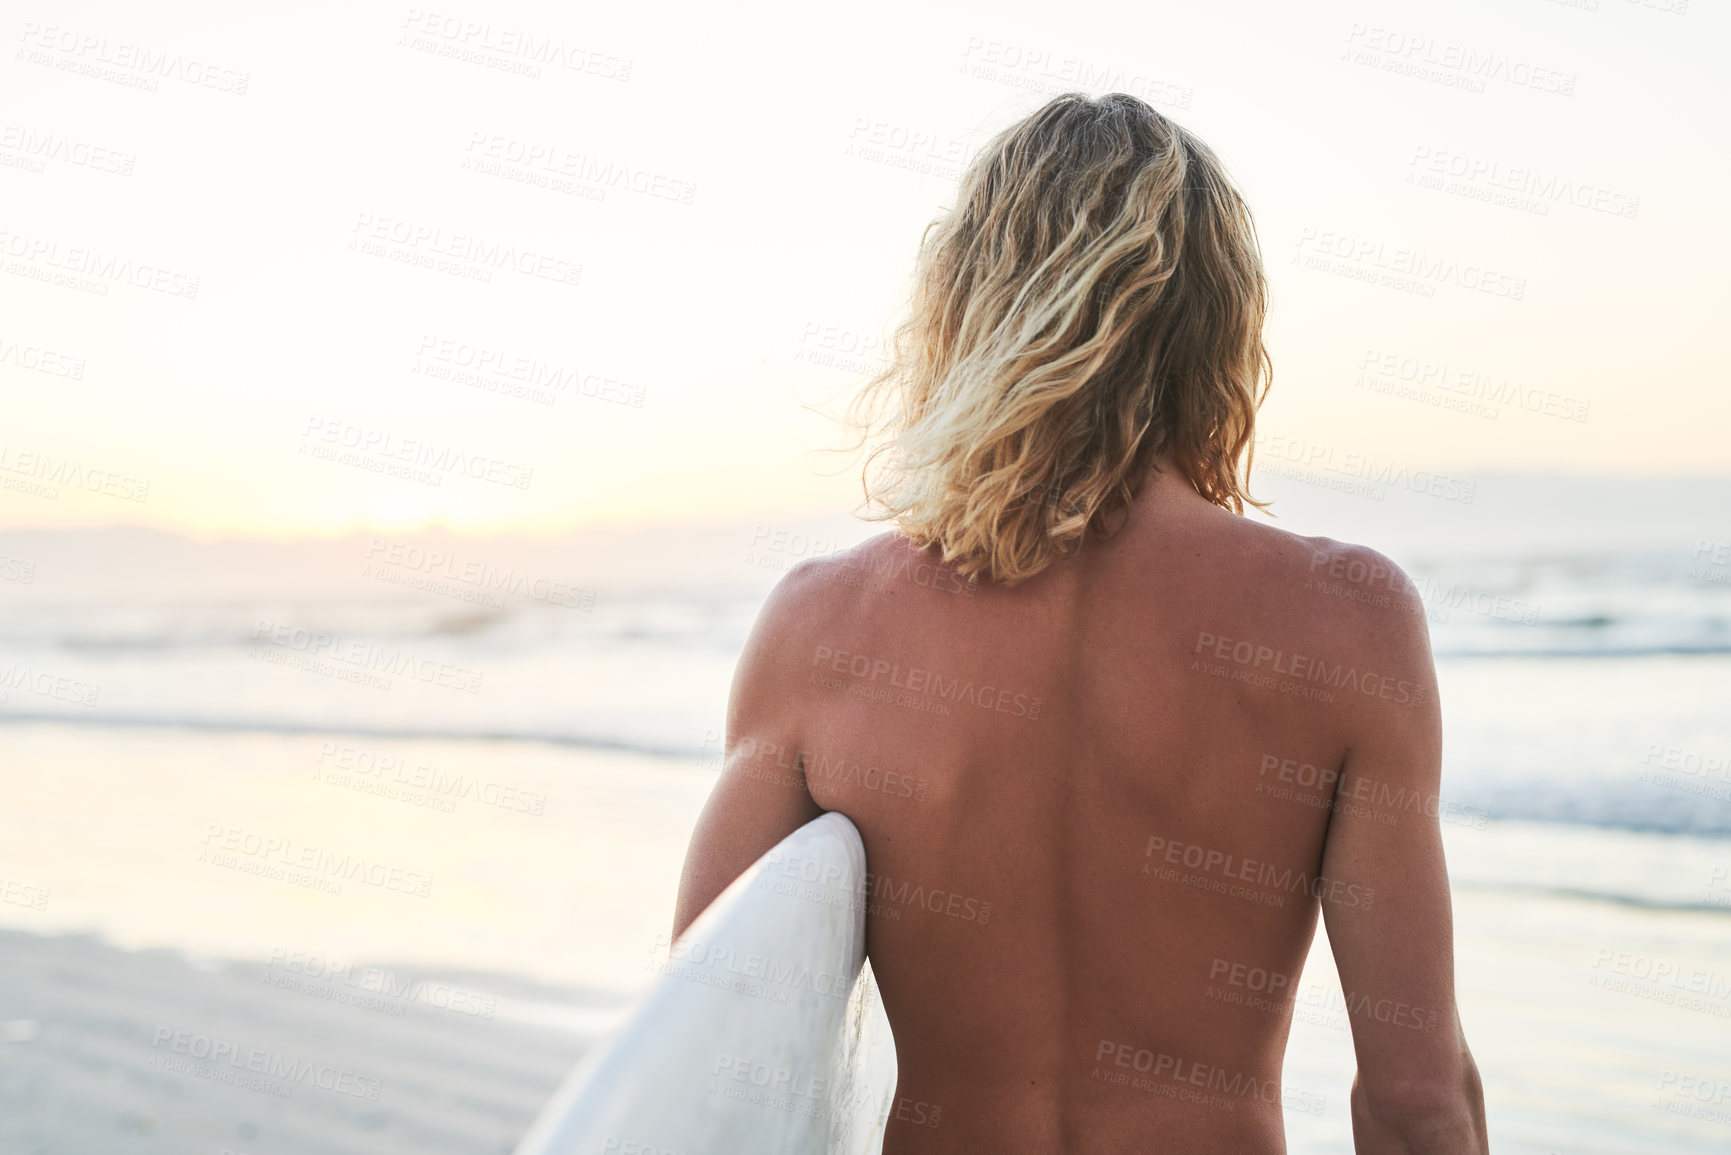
<point x="1155" y="836"/>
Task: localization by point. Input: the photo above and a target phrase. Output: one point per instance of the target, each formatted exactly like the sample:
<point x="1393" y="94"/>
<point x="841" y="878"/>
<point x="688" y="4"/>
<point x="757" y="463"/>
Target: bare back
<point x="1102" y="811"/>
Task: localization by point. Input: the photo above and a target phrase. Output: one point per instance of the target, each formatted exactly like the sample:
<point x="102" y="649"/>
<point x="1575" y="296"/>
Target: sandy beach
<point x="164" y="994"/>
<point x="161" y="996"/>
<point x="111" y="1051"/>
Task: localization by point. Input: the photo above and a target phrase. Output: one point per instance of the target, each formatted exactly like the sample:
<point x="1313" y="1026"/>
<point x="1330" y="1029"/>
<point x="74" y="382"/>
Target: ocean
<point x="514" y="735"/>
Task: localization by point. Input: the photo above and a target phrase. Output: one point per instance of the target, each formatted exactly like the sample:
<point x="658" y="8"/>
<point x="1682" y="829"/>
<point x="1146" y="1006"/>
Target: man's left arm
<point x="761" y="796"/>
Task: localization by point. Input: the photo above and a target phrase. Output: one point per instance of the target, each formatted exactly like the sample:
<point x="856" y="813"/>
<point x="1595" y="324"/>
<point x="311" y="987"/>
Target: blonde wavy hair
<point x="1094" y="298"/>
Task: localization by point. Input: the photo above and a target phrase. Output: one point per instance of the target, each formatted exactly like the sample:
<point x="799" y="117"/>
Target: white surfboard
<point x="762" y="1032"/>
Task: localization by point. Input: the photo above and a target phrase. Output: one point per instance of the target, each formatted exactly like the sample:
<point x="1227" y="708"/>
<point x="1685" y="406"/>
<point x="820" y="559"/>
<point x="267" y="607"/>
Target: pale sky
<point x="1542" y="181"/>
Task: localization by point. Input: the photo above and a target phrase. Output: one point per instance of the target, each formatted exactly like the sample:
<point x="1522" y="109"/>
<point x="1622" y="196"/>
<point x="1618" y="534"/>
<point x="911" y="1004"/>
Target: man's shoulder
<point x="1313" y="614"/>
<point x="1344" y="595"/>
<point x="1317" y="560"/>
<point x="886" y="564"/>
<point x="833" y="600"/>
<point x="819" y="589"/>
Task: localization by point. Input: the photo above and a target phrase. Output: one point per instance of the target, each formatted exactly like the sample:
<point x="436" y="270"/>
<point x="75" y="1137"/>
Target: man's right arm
<point x="1417" y="1088"/>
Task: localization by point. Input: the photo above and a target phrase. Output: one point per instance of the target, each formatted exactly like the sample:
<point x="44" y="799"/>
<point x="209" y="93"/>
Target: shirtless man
<point x="1124" y="788"/>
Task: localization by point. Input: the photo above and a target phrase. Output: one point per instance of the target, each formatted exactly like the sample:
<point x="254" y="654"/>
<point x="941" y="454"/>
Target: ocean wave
<point x="405" y="733"/>
<point x="1497" y="607"/>
<point x="1615" y="897"/>
<point x="1615" y="805"/>
<point x="1585" y="648"/>
<point x="96" y="628"/>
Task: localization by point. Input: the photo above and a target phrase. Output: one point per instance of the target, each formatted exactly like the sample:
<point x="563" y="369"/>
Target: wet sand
<point x="111" y="1051"/>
